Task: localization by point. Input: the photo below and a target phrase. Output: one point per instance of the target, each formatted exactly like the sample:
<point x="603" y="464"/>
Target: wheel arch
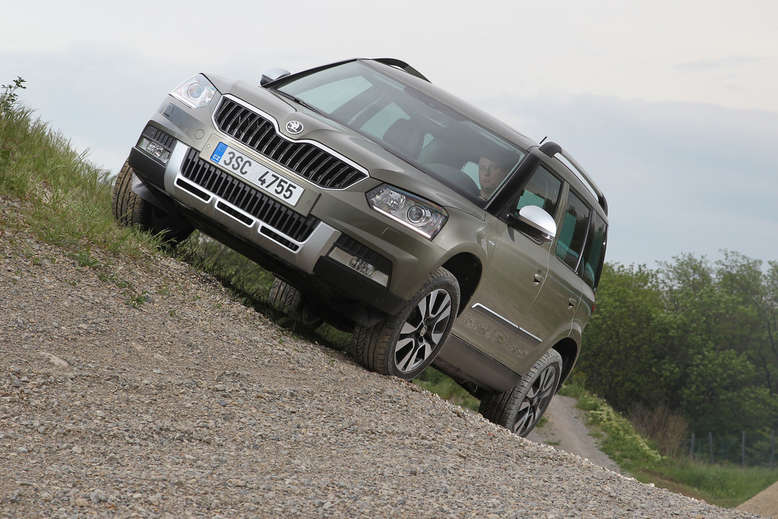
<point x="568" y="349"/>
<point x="467" y="269"/>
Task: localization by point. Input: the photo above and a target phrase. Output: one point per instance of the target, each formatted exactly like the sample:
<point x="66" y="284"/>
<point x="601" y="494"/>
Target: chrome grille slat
<point x="252" y="201"/>
<point x="257" y="132"/>
<point x="267" y="129"/>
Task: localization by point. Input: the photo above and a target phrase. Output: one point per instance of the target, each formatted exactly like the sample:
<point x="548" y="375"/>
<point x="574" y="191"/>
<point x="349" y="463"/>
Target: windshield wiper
<point x="298" y="101"/>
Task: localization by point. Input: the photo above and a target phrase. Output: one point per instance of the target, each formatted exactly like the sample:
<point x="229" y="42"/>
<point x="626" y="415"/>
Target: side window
<point x="594" y="252"/>
<point x="570" y="239"/>
<point x="542" y="190"/>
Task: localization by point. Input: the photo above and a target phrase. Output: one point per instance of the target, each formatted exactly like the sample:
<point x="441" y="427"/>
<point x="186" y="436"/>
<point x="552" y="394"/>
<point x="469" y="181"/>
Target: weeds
<point x="723" y="485"/>
<point x="665" y="428"/>
<point x="65" y="199"/>
<point x="10" y="96"/>
<point x="84" y="259"/>
<point x="138" y="300"/>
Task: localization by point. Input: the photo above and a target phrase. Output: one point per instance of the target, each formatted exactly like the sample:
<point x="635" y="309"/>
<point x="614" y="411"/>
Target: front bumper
<point x="305" y="262"/>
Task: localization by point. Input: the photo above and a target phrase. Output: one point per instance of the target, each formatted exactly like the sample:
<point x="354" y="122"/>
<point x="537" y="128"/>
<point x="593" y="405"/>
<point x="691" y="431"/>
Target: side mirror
<point x="270" y="75"/>
<point x="536" y="219"/>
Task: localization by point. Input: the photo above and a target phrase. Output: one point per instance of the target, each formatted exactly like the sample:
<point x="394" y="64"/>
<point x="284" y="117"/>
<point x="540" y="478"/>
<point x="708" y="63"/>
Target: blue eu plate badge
<point x="218" y="152"/>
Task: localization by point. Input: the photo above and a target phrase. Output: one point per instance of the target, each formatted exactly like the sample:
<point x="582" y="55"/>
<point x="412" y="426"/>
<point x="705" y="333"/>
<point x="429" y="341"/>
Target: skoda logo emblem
<point x="294" y="127"/>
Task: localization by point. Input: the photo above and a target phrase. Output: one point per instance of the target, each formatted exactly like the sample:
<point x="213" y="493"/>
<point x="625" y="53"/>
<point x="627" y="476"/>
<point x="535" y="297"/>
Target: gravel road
<point x="765" y="502"/>
<point x="191" y="405"/>
<point x="566" y="429"/>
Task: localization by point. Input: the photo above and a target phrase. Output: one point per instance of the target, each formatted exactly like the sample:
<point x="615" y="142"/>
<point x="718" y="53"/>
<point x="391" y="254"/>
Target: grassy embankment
<point x="65" y="200"/>
<point x="723" y="485"/>
<point x="61" y="197"/>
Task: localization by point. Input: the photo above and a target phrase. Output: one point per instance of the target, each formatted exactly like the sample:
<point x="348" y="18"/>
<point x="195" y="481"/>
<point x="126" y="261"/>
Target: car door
<point x="500" y="319"/>
<point x="564" y="286"/>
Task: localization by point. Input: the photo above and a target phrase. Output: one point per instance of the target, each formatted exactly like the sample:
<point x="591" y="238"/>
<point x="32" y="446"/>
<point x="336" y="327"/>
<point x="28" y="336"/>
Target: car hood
<point x="380" y="163"/>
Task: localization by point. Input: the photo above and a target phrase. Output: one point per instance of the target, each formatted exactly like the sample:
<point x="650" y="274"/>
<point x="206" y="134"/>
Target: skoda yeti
<point x="388" y="207"/>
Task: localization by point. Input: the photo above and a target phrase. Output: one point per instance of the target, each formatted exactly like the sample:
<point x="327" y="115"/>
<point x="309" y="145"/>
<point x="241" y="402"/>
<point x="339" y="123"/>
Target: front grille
<point x="305" y="159"/>
<point x="251" y="200"/>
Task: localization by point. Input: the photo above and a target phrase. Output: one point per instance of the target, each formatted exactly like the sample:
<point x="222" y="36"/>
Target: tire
<point x="404" y="344"/>
<point x="286" y="299"/>
<point x="131" y="210"/>
<point x="520" y="408"/>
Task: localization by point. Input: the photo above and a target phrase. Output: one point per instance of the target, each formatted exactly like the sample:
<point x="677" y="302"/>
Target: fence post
<point x="710" y="446"/>
<point x="743" y="450"/>
<point x="691" y="447"/>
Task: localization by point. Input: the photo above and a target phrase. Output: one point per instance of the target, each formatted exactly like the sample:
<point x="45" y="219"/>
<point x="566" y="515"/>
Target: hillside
<point x="140" y="387"/>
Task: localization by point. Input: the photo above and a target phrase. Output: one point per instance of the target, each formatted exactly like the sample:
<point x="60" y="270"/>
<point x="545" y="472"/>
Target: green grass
<point x="66" y="200"/>
<point x="442" y="385"/>
<point x="723" y="485"/>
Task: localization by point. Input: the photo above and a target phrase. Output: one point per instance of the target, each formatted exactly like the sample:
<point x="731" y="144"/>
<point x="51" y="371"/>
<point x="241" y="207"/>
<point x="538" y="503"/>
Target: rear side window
<point x="570" y="241"/>
<point x="594" y="252"/>
<point x="542" y="190"/>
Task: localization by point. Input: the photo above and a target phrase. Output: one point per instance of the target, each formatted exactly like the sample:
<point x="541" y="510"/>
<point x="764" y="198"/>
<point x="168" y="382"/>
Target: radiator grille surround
<point x="304" y="158"/>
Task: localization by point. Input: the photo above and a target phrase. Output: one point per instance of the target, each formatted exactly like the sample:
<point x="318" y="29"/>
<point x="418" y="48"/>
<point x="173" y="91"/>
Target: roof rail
<point x="394" y="62"/>
<point x="551" y="149"/>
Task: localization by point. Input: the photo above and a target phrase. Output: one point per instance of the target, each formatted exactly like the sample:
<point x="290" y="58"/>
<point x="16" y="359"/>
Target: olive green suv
<point x="388" y="207"/>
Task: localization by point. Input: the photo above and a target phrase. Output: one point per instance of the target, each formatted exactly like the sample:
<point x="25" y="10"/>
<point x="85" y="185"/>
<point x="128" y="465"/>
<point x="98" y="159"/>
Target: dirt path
<point x="566" y="429"/>
<point x="764" y="503"/>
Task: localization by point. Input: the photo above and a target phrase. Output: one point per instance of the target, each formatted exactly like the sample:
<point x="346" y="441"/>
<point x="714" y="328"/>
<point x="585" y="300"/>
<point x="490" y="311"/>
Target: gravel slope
<point x="566" y="429"/>
<point x="193" y="405"/>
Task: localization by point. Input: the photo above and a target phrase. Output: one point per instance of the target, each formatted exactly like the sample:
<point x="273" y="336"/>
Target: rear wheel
<point x="131" y="210"/>
<point x="403" y="345"/>
<point x="288" y="300"/>
<point x="519" y="409"/>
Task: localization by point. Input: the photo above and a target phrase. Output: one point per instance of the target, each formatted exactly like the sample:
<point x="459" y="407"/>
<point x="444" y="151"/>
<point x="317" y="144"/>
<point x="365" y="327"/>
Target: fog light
<point x="360" y="265"/>
<point x="154" y="149"/>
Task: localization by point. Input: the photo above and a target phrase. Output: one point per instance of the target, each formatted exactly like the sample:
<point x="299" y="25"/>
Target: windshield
<point x="412" y="125"/>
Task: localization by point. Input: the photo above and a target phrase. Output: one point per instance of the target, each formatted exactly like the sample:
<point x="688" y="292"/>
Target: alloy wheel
<point x="423" y="330"/>
<point x="536" y="400"/>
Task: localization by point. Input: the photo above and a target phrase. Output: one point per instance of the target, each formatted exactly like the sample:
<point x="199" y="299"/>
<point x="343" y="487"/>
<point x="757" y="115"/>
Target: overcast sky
<point x="671" y="106"/>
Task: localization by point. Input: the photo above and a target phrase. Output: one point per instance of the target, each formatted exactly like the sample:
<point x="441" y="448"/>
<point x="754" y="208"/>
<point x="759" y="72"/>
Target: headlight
<point x="195" y="92"/>
<point x="413" y="212"/>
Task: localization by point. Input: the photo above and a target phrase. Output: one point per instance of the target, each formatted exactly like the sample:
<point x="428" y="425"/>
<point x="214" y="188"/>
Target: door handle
<point x="572" y="302"/>
<point x="537" y="279"/>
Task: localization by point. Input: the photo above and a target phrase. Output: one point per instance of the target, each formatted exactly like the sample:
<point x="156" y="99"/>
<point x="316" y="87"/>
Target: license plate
<point x="257" y="174"/>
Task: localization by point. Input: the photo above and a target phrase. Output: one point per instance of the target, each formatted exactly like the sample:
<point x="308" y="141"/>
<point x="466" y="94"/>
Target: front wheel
<point x="404" y="344"/>
<point x="519" y="409"/>
<point x="129" y="209"/>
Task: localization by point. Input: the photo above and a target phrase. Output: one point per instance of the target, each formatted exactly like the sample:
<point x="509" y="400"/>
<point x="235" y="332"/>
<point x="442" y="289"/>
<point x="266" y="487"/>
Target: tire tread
<point x="371" y="346"/>
<point x="499" y="408"/>
<point x="284" y="297"/>
<point x="128" y="208"/>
